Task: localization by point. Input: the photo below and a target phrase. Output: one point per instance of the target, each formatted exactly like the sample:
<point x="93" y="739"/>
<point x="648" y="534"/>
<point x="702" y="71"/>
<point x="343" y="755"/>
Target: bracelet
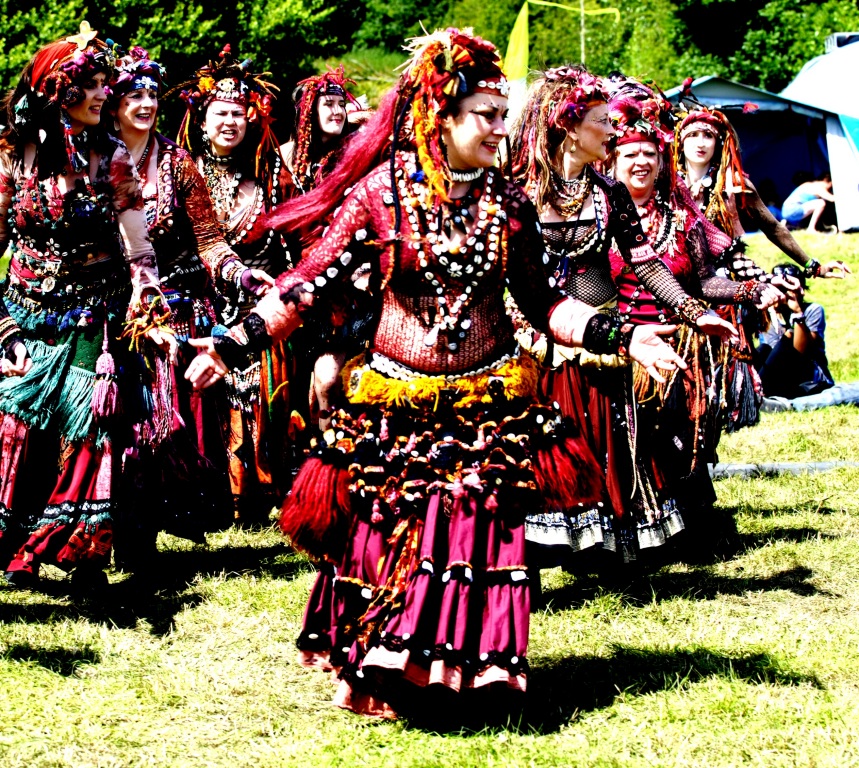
<point x="812" y="268"/>
<point x="603" y="335"/>
<point x="797" y="317"/>
<point x="690" y="309"/>
<point x="746" y="291"/>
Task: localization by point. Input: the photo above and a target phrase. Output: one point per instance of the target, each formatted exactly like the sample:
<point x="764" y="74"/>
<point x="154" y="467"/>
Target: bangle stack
<point x="8" y="330"/>
<point x="746" y="291"/>
<point x="812" y="268"/>
<point x="690" y="309"/>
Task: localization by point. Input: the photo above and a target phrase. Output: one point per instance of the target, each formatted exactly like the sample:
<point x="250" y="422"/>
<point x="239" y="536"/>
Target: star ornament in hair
<point x="84" y="37"/>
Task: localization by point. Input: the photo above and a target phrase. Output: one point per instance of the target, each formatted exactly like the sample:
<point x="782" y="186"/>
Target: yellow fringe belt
<point x="519" y="375"/>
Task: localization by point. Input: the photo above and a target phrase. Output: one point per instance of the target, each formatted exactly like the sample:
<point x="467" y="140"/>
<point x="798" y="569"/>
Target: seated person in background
<point x="792" y="353"/>
<point x="808" y="202"/>
<point x="769" y="196"/>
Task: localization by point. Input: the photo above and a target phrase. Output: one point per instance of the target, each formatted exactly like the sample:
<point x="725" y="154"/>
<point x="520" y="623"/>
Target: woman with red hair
<point x="71" y="213"/>
<point x="415" y="499"/>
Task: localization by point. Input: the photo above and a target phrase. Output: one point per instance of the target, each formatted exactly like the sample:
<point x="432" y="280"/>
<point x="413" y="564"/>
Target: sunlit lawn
<point x="750" y="660"/>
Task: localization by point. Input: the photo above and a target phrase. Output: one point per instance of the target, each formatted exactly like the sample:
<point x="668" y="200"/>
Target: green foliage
<point x="786" y="34"/>
<point x="372" y="69"/>
<point x="388" y="24"/>
<point x="283" y="36"/>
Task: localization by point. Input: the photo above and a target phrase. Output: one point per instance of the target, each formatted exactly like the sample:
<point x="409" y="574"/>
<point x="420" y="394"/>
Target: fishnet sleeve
<point x="633" y="246"/>
<point x="715" y="289"/>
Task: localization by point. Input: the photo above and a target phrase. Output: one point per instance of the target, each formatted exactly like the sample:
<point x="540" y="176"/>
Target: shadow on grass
<point x="561" y="689"/>
<point x="159" y="595"/>
<point x="63" y="661"/>
<point x="699" y="584"/>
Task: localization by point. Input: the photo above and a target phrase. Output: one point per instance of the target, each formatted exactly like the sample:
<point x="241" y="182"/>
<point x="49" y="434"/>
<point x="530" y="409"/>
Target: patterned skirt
<point x="416" y="502"/>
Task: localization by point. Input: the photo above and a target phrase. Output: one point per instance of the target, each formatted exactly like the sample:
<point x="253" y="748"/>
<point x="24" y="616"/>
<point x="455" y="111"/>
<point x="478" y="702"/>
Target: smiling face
<point x="699" y="146"/>
<point x="637" y="166"/>
<point x="331" y="113"/>
<point x="137" y="110"/>
<point x="225" y="125"/>
<point x="593" y="135"/>
<point x="87" y="112"/>
<point x="472" y="136"/>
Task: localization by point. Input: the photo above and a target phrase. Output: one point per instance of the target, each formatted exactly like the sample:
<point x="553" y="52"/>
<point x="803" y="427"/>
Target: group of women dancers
<point x="479" y="368"/>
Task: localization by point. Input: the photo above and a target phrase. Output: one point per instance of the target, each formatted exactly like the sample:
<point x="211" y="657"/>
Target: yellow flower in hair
<point x="206" y="84"/>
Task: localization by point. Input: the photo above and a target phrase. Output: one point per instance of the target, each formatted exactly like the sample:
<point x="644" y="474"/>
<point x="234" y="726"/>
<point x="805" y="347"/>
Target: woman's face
<point x="699" y="146"/>
<point x="87" y="113"/>
<point x="473" y="135"/>
<point x="137" y="110"/>
<point x="593" y="135"/>
<point x="637" y="166"/>
<point x="331" y="113"/>
<point x="225" y="125"/>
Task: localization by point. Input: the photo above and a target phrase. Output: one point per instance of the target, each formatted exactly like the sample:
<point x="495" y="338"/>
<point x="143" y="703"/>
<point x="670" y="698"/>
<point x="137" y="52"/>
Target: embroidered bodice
<point x="442" y="309"/>
<point x="688" y="245"/>
<point x="182" y="226"/>
<point x="79" y="241"/>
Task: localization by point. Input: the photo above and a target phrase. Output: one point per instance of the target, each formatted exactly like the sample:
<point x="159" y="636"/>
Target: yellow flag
<point x="516" y="60"/>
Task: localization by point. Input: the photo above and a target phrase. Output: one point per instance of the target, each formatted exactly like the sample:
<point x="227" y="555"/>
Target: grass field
<point x="751" y="660"/>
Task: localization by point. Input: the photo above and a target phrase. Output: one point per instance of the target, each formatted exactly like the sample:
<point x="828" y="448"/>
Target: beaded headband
<point x="136" y="71"/>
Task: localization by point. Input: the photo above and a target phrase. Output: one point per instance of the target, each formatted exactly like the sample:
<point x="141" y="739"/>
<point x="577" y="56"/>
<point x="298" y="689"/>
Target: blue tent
<point x="786" y="135"/>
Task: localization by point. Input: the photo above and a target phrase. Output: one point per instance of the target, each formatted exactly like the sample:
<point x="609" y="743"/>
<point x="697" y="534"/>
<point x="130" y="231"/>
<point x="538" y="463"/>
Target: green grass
<point x="750" y="660"/>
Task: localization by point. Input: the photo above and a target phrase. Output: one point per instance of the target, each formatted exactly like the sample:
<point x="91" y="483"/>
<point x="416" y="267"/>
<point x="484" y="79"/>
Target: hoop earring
<point x="115" y="125"/>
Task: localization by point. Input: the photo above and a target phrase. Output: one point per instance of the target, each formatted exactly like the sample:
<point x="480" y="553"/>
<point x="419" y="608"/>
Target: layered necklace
<point x="453" y="270"/>
<point x="223" y="182"/>
<point x="657" y="213"/>
<point x="568" y="196"/>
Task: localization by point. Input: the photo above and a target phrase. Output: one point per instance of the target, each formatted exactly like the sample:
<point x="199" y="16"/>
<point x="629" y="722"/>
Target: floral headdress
<point x="727" y="171"/>
<point x="331" y="83"/>
<point x="444" y="66"/>
<point x="579" y="92"/>
<point x="58" y="73"/>
<point x="135" y="71"/>
<point x="557" y="102"/>
<point x="228" y="79"/>
<point x="640" y="113"/>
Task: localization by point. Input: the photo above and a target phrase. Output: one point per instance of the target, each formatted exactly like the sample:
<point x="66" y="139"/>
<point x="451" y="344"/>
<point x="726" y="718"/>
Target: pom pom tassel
<point x="315" y="515"/>
<point x="105" y="394"/>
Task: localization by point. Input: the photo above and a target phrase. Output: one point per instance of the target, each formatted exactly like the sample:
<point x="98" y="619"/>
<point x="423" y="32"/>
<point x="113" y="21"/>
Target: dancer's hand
<point x="713" y="325"/>
<point x="208" y="367"/>
<point x="771" y="295"/>
<point x="256" y="281"/>
<point x="18" y="363"/>
<point x="836" y="269"/>
<point x="650" y="351"/>
<point x="166" y="342"/>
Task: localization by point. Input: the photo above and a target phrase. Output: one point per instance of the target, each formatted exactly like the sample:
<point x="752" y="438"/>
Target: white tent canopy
<point x="828" y="82"/>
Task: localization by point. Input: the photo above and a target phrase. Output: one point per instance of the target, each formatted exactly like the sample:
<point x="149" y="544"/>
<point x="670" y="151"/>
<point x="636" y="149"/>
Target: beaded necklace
<point x="446" y="264"/>
<point x="223" y="183"/>
<point x="568" y="196"/>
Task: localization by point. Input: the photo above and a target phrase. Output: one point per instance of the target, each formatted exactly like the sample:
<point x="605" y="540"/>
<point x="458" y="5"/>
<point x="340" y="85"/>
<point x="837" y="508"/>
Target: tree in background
<point x="784" y="35"/>
<point x="283" y="36"/>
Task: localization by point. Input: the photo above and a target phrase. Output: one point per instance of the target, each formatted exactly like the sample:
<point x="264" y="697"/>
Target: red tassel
<point x="568" y="474"/>
<point x="105" y="394"/>
<point x="315" y="515"/>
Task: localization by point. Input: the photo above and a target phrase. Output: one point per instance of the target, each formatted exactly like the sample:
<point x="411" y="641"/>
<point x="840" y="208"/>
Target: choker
<point x="466" y="175"/>
<point x="218" y="159"/>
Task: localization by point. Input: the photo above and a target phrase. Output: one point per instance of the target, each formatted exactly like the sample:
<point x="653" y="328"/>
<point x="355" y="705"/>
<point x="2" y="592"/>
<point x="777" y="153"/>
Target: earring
<point x="115" y="125"/>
